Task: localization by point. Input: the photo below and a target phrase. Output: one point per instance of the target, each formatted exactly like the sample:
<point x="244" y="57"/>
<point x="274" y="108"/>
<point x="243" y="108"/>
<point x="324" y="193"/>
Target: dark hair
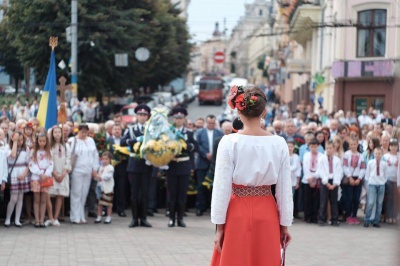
<point x="10" y="141"/>
<point x="256" y="109"/>
<point x="53" y="141"/>
<point x="83" y="126"/>
<point x="210" y="117"/>
<point x="342" y="127"/>
<point x="314" y="141"/>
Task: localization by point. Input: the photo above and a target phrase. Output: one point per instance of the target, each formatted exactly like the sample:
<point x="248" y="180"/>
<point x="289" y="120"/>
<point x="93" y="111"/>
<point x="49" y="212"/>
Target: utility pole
<point x="74" y="47"/>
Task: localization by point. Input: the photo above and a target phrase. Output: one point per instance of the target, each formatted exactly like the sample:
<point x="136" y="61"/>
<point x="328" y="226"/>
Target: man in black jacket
<point x="179" y="170"/>
<point x="138" y="171"/>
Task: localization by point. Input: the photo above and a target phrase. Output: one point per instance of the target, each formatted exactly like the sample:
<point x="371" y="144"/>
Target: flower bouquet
<point x="101" y="142"/>
<point x="161" y="142"/>
<point x="120" y="154"/>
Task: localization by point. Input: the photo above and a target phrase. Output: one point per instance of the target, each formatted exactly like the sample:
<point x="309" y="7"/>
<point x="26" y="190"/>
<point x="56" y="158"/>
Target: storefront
<point x="363" y="84"/>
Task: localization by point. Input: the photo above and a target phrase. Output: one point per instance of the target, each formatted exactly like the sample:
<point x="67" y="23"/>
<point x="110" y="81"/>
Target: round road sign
<point x="219" y="57"/>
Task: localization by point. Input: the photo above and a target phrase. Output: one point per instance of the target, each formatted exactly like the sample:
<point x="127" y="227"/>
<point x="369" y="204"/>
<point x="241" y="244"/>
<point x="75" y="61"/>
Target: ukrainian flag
<point x="47" y="113"/>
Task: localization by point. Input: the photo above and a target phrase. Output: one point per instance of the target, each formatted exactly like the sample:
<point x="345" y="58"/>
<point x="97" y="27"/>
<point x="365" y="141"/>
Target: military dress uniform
<point x="178" y="174"/>
<point x="139" y="173"/>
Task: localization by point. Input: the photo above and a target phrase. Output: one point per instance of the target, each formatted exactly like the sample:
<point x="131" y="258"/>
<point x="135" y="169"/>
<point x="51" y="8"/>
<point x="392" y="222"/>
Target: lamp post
<point x="74" y="46"/>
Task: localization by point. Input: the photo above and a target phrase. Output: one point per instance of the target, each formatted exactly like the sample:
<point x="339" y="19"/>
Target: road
<point x="195" y="110"/>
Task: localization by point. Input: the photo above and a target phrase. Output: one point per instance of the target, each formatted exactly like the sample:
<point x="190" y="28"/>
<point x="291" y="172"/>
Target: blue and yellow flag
<point x="47" y="113"/>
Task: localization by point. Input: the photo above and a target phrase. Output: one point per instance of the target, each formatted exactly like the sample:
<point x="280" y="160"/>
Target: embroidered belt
<point x="243" y="191"/>
<point x="181" y="159"/>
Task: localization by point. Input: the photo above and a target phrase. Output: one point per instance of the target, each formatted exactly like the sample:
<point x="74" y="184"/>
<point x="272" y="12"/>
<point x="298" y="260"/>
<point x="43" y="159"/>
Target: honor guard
<point x="138" y="171"/>
<point x="179" y="170"/>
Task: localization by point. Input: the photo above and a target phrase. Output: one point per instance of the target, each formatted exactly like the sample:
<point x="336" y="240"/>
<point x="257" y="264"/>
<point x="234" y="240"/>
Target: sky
<point x="204" y="13"/>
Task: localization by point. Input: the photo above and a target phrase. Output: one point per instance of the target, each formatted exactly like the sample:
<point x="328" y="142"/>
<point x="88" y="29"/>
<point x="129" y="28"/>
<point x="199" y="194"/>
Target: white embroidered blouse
<point x="252" y="161"/>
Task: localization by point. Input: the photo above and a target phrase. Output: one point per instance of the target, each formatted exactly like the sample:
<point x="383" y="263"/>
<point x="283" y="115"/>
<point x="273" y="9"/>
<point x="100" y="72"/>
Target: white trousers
<point x="80" y="184"/>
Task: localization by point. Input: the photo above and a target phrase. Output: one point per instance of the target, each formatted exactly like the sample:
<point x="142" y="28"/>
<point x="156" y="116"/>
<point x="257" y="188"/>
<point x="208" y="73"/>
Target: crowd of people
<point x="337" y="162"/>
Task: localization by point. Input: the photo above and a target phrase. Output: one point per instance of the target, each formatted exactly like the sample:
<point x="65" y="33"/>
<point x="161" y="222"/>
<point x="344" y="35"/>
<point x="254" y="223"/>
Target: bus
<point x="211" y="90"/>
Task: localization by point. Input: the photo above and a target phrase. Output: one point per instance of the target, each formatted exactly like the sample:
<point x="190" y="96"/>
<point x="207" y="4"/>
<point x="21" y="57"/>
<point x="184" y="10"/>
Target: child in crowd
<point x="354" y="171"/>
<point x="18" y="172"/>
<point x="331" y="172"/>
<point x="105" y="187"/>
<point x="28" y="132"/>
<point x="311" y="182"/>
<point x="295" y="166"/>
<point x="61" y="155"/>
<point x="41" y="167"/>
<point x="3" y="163"/>
<point x="392" y="161"/>
<point x="377" y="176"/>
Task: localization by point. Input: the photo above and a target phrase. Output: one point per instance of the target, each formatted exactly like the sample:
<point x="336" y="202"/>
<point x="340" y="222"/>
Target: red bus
<point x="211" y="89"/>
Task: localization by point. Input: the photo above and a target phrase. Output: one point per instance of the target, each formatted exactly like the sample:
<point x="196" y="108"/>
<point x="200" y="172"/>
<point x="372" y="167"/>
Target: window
<point x="371" y="33"/>
<point x="260" y="12"/>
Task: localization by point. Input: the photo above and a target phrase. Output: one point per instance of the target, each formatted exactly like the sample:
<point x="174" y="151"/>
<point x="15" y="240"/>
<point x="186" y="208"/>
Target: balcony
<point x="376" y="69"/>
<point x="303" y="16"/>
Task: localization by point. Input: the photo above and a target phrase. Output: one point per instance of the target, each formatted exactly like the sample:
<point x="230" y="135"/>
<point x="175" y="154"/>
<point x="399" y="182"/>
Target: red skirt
<point x="251" y="233"/>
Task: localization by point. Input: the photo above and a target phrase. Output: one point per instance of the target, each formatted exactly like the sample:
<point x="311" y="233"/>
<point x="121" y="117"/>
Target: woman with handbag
<point x="251" y="225"/>
<point x="18" y="176"/>
<point x="61" y="155"/>
<point x="85" y="163"/>
<point x="41" y="167"/>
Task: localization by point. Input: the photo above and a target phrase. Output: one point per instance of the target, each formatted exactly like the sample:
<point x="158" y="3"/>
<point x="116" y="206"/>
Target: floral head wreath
<point x="237" y="100"/>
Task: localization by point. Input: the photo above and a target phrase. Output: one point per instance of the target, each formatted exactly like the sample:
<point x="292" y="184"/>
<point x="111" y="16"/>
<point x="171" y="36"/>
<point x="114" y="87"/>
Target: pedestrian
<point x="376" y="175"/>
<point x="179" y="170"/>
<point x="105" y="187"/>
<point x="139" y="173"/>
<point x="330" y="171"/>
<point x="18" y="176"/>
<point x="311" y="182"/>
<point x="84" y="163"/>
<point x="61" y="155"/>
<point x="392" y="161"/>
<point x="120" y="174"/>
<point x="205" y="139"/>
<point x="41" y="168"/>
<point x="354" y="172"/>
<point x="251" y="226"/>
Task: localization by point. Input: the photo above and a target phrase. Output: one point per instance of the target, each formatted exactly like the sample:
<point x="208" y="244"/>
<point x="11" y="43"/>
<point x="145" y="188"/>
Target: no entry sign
<point x="219" y="57"/>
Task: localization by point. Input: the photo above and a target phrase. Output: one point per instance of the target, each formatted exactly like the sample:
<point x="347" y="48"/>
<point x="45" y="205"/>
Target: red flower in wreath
<point x="254" y="98"/>
<point x="239" y="102"/>
<point x="232" y="95"/>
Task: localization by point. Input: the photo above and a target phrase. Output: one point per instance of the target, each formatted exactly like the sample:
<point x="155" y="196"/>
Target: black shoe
<point x="134" y="223"/>
<point x="18" y="225"/>
<point x="171" y="223"/>
<point x="92" y="215"/>
<point x="181" y="223"/>
<point x="145" y="223"/>
<point x="199" y="213"/>
<point x="376" y="225"/>
<point x="42" y="225"/>
<point x="366" y="225"/>
<point x="155" y="211"/>
<point x="97" y="221"/>
<point x="7" y="225"/>
<point x="122" y="214"/>
<point x="336" y="223"/>
<point x="107" y="222"/>
<point x="150" y="213"/>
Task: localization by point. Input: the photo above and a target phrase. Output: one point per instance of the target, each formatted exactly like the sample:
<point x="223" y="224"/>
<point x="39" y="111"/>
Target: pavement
<point x="116" y="244"/>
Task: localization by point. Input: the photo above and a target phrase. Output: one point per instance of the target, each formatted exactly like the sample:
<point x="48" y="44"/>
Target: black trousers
<point x="121" y="188"/>
<point x="177" y="190"/>
<point x="332" y="196"/>
<point x="140" y="191"/>
<point x="92" y="197"/>
<point x="311" y="203"/>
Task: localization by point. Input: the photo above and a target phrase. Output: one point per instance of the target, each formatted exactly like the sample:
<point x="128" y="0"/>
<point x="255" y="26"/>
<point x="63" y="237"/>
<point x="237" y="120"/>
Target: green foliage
<point x="115" y="27"/>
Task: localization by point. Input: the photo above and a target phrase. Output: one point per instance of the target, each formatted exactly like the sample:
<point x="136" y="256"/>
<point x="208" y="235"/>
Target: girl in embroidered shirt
<point x="105" y="187"/>
<point x="392" y="160"/>
<point x="41" y="167"/>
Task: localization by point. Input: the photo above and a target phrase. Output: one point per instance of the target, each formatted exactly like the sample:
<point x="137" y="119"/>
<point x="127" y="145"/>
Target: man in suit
<point x="205" y="139"/>
<point x="120" y="174"/>
<point x="179" y="170"/>
<point x="290" y="131"/>
<point x="386" y="119"/>
<point x="138" y="171"/>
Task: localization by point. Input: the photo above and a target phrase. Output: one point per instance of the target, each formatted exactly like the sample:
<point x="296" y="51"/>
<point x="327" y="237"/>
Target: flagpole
<point x="74" y="46"/>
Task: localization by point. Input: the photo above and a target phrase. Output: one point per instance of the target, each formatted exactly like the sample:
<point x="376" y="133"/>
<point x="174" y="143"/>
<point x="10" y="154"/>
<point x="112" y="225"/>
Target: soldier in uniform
<point x="179" y="170"/>
<point x="138" y="171"/>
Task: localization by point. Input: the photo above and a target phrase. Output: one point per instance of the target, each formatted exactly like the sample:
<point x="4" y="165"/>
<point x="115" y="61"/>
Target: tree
<point x="115" y="27"/>
<point x="9" y="60"/>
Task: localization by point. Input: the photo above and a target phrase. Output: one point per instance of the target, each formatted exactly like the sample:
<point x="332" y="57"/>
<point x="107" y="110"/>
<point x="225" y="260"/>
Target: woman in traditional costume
<point x="251" y="225"/>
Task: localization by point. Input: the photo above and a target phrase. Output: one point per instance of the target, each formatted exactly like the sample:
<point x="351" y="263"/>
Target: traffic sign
<point x="219" y="57"/>
<point x="142" y="54"/>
